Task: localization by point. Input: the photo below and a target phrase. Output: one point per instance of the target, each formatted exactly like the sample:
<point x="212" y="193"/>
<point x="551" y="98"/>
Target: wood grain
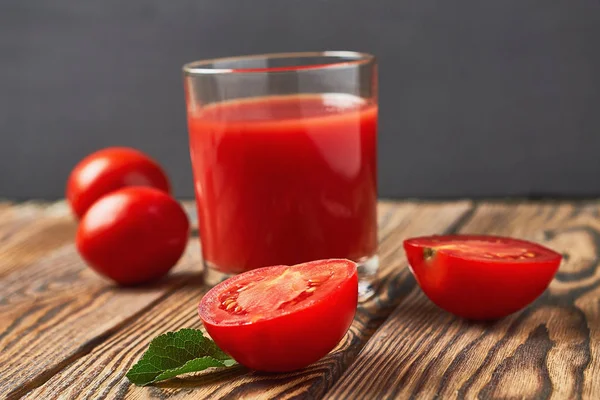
<point x="30" y="230"/>
<point x="53" y="309"/>
<point x="550" y="350"/>
<point x="100" y="373"/>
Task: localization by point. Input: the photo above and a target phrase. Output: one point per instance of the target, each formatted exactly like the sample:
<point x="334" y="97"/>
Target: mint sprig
<point x="176" y="353"/>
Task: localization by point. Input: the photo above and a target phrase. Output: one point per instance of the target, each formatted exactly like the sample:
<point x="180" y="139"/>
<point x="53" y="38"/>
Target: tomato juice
<point x="282" y="180"/>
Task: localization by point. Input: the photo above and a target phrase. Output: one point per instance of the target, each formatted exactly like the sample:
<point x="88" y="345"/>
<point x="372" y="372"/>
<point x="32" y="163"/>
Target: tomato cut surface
<point x="481" y="277"/>
<point x="282" y="318"/>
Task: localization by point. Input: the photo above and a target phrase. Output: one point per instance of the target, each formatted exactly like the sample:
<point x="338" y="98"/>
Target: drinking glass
<point x="284" y="157"/>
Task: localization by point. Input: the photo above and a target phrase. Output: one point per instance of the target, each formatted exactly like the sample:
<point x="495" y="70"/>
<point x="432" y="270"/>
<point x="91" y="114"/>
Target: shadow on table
<point x="237" y="382"/>
<point x="176" y="280"/>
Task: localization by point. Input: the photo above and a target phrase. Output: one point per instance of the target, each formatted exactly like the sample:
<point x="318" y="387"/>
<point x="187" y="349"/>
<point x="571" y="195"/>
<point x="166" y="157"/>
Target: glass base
<point x="367" y="277"/>
<point x="367" y="272"/>
<point x="213" y="276"/>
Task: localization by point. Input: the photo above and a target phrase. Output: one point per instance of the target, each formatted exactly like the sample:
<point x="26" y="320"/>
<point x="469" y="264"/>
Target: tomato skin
<point x="108" y="170"/>
<point x="480" y="289"/>
<point x="291" y="341"/>
<point x="133" y="235"/>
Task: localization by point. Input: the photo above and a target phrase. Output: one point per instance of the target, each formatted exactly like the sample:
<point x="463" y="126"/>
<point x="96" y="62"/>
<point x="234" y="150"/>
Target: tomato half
<point x="108" y="170"/>
<point x="481" y="277"/>
<point x="133" y="235"/>
<point x="282" y="318"/>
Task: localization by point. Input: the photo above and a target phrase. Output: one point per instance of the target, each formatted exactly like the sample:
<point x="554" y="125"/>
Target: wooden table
<point x="66" y="333"/>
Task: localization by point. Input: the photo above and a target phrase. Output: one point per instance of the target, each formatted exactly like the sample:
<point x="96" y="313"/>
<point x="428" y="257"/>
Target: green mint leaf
<point x="176" y="353"/>
<point x="195" y="365"/>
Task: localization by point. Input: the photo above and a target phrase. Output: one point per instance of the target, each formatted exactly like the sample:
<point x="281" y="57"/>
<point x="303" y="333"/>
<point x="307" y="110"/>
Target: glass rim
<point x="339" y="59"/>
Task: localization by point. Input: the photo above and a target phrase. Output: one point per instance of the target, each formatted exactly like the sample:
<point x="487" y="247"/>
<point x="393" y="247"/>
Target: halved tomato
<point x="282" y="318"/>
<point x="481" y="277"/>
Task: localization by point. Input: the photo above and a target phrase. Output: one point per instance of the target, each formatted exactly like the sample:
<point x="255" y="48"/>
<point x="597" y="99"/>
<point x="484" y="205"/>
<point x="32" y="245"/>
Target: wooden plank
<point x="30" y="230"/>
<point x="101" y="372"/>
<point x="549" y="350"/>
<point x="53" y="309"/>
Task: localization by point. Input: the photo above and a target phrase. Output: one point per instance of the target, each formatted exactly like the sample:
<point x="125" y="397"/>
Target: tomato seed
<point x="311" y="289"/>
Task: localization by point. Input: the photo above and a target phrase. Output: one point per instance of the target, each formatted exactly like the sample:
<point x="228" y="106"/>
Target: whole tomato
<point x="108" y="170"/>
<point x="133" y="235"/>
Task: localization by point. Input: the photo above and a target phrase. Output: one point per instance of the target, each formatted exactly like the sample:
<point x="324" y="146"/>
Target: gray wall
<point x="478" y="98"/>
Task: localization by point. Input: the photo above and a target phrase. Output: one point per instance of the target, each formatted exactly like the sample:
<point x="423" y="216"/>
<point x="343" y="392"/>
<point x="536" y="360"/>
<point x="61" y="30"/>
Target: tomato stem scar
<point x="428" y="253"/>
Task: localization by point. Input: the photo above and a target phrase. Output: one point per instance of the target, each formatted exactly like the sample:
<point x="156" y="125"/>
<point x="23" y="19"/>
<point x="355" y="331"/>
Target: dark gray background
<point x="478" y="98"/>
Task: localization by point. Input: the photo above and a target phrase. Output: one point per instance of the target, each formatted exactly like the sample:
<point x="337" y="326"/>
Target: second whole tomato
<point x="133" y="235"/>
<point x="108" y="170"/>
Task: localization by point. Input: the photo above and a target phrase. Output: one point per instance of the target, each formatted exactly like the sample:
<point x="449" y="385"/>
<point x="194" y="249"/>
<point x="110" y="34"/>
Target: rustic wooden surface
<point x="549" y="350"/>
<point x="66" y="333"/>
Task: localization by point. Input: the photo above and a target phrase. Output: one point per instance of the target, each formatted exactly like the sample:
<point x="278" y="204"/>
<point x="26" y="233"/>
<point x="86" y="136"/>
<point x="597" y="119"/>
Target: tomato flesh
<point x="282" y="318"/>
<point x="481" y="277"/>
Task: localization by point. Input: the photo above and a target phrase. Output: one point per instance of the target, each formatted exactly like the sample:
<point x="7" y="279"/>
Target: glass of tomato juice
<point x="284" y="157"/>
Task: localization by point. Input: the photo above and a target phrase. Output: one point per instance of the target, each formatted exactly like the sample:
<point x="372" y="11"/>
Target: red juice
<point x="285" y="179"/>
